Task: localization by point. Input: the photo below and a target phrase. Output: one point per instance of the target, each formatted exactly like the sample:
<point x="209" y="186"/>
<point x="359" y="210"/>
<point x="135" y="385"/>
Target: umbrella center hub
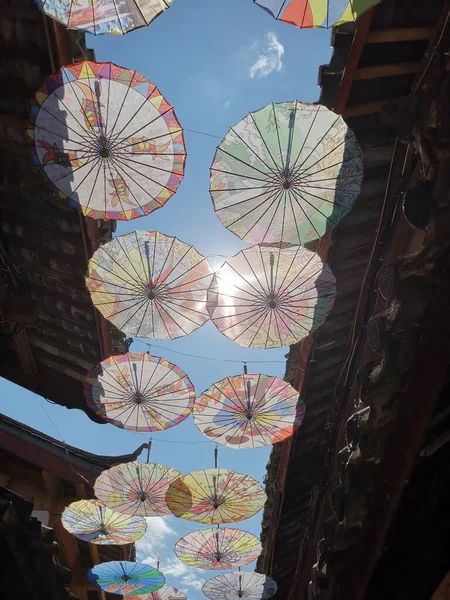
<point x="286" y="184"/>
<point x="152" y="292"/>
<point x="272" y="301"/>
<point x="142" y="497"/>
<point x="104" y="152"/>
<point x="126" y="578"/>
<point x="138" y="398"/>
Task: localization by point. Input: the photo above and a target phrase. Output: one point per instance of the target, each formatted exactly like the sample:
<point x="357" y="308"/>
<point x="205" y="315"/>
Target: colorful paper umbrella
<point x="218" y="549"/>
<point x="150" y="285"/>
<point x="136" y="488"/>
<point x="140" y="392"/>
<point x="126" y="578"/>
<point x="316" y="13"/>
<point x="92" y="521"/>
<point x="99" y="17"/>
<point x="232" y="586"/>
<point x="215" y="496"/>
<point x="286" y="173"/>
<point x="248" y="411"/>
<point x="106" y="139"/>
<point x="266" y="297"/>
<point x="167" y="592"/>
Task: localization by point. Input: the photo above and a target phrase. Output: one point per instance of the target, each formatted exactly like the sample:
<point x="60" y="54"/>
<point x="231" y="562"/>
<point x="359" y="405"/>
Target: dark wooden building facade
<point x="359" y="501"/>
<point x="39" y="477"/>
<point x="50" y="334"/>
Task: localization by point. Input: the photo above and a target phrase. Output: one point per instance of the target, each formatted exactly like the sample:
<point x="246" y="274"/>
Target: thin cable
<point x="223" y="360"/>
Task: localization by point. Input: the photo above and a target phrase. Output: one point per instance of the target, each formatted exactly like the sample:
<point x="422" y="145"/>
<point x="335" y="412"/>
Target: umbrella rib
<point x="297" y="193"/>
<point x="239" y="160"/>
<point x="306" y="136"/>
<point x="126" y="254"/>
<point x="120" y="164"/>
<point x="85" y="147"/>
<point x="293" y="196"/>
<point x="318" y="144"/>
<point x="111" y="139"/>
<point x="278" y="137"/>
<point x="264" y="141"/>
<point x="253" y="151"/>
<point x="237" y="175"/>
<point x="113" y="180"/>
<point x="300" y="174"/>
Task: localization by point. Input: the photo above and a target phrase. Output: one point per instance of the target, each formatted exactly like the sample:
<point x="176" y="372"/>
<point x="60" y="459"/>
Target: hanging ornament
<point x="140" y="392"/>
<point x="218" y="549"/>
<point x="265" y="297"/>
<point x="106" y="139"/>
<point x="126" y="578"/>
<point x="287" y="173"/>
<point x="104" y="17"/>
<point x="91" y="521"/>
<point x="215" y="496"/>
<point x="248" y="411"/>
<point x="241" y="584"/>
<point x="150" y="285"/>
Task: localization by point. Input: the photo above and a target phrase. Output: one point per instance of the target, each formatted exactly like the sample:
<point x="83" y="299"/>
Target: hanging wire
<point x="222" y="360"/>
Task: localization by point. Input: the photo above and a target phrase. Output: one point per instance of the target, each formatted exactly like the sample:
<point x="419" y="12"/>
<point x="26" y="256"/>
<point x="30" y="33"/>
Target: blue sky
<point x="214" y="60"/>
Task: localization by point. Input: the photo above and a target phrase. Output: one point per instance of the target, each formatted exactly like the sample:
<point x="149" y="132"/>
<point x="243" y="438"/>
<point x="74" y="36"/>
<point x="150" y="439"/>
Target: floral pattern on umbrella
<point x="316" y="13"/>
<point x="92" y="521"/>
<point x="215" y="496"/>
<point x="136" y="488"/>
<point x="248" y="411"/>
<point x="126" y="578"/>
<point x="104" y="17"/>
<point x="242" y="584"/>
<point x="107" y="139"/>
<point x="150" y="285"/>
<point x="139" y="392"/>
<point x="218" y="549"/>
<point x="267" y="297"/>
<point x="287" y="173"/>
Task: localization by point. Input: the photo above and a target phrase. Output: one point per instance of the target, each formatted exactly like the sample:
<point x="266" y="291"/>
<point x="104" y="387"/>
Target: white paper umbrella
<point x="140" y="392"/>
<point x="107" y="139"/>
<point x="266" y="297"/>
<point x="286" y="173"/>
<point x="150" y="285"/>
<point x="241" y="584"/>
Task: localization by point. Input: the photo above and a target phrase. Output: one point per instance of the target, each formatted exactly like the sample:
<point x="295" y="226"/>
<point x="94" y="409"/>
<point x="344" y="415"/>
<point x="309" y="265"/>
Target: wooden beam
<point x="394" y="70"/>
<point x="96" y="560"/>
<point x="404" y="34"/>
<point x="360" y="110"/>
<point x="81" y="490"/>
<point x="51" y="483"/>
<point x="23" y="348"/>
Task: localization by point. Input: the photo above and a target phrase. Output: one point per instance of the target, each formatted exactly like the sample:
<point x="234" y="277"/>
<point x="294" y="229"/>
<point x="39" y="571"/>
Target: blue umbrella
<point x="126" y="578"/>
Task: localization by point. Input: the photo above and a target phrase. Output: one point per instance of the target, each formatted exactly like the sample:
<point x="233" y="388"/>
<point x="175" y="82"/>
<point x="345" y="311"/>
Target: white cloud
<point x="270" y="58"/>
<point x="154" y="540"/>
<point x="226" y="105"/>
<point x="192" y="581"/>
<point x="173" y="567"/>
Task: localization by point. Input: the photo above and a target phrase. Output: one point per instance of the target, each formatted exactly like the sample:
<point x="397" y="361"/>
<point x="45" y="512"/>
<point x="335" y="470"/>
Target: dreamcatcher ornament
<point x="287" y="173"/>
<point x="93" y="522"/>
<point x="136" y="488"/>
<point x="150" y="285"/>
<point x="241" y="584"/>
<point x="140" y="392"/>
<point x="106" y="139"/>
<point x="248" y="411"/>
<point x="271" y="297"/>
<point x="218" y="549"/>
<point x="104" y="17"/>
<point x="215" y="496"/>
<point x="316" y="13"/>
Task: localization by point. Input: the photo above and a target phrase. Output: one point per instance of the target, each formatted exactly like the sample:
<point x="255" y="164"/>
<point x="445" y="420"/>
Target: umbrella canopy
<point x="113" y="17"/>
<point x="265" y="297"/>
<point x="107" y="139"/>
<point x="218" y="549"/>
<point x="126" y="578"/>
<point x="215" y="496"/>
<point x="316" y="13"/>
<point x="248" y="411"/>
<point x="233" y="586"/>
<point x="91" y="521"/>
<point x="288" y="172"/>
<point x="167" y="592"/>
<point x="136" y="488"/>
<point x="140" y="392"/>
<point x="150" y="285"/>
